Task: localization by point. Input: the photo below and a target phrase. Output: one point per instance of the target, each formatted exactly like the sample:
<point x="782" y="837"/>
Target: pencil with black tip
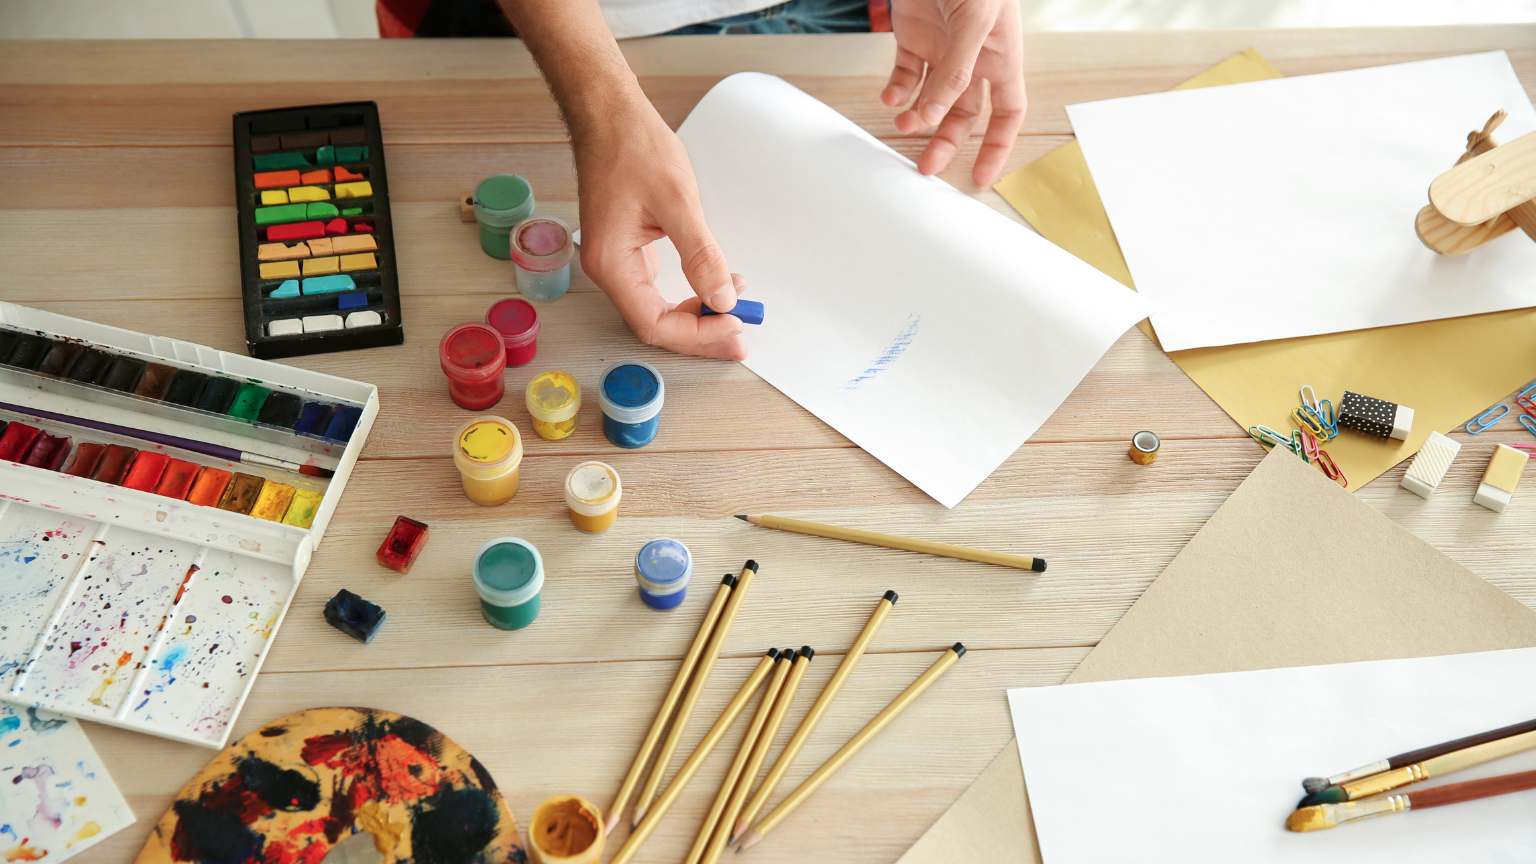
<point x="813" y="716"/>
<point x="1435" y="766"/>
<point x="891" y="541"/>
<point x="743" y="752"/>
<point x="668" y="797"/>
<point x="1321" y="816"/>
<point x="669" y="702"/>
<point x="695" y="687"/>
<point x="1314" y="785"/>
<point x="903" y="699"/>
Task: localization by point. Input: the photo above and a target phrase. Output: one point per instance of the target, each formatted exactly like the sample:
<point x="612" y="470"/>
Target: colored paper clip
<point x="1311" y="450"/>
<point x="1487" y="420"/>
<point x="1330" y="469"/>
<point x="1529" y="422"/>
<point x="1309" y="420"/>
<point x="1324" y="421"/>
<point x="1269" y="437"/>
<point x="1298" y="446"/>
<point x="1526" y="404"/>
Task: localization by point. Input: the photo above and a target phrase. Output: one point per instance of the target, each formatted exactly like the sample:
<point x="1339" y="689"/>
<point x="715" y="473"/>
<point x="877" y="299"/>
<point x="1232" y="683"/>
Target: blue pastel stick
<point x="334" y="284"/>
<point x="286" y="291"/>
<point x="352" y="300"/>
<point x="749" y="311"/>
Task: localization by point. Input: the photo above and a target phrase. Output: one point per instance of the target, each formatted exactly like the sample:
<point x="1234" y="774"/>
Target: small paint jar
<point x="566" y="829"/>
<point x="488" y="451"/>
<point x="473" y="358"/>
<point x="509" y="576"/>
<point x="542" y="252"/>
<point x="631" y="394"/>
<point x="501" y="201"/>
<point x="663" y="569"/>
<point x="518" y="323"/>
<point x="592" y="493"/>
<point x="553" y="400"/>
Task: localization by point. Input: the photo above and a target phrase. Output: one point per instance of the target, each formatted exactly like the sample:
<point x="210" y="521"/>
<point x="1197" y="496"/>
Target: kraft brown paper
<point x="1237" y="598"/>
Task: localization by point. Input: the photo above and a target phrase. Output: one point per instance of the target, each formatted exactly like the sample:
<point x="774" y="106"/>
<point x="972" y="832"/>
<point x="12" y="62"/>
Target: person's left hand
<point x="955" y="51"/>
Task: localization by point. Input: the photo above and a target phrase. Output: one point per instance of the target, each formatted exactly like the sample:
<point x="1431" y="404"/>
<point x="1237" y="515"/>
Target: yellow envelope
<point x="1447" y="371"/>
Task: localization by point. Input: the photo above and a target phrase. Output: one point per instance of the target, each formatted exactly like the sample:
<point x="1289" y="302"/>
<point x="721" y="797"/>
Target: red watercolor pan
<point x="49" y="452"/>
<point x="87" y="457"/>
<point x="177" y="480"/>
<point x="113" y="464"/>
<point x="145" y="471"/>
<point x="17" y="440"/>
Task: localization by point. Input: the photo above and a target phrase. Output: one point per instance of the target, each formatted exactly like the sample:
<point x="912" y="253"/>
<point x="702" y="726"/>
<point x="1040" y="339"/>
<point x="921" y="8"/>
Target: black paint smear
<point x="482" y="775"/>
<point x="212" y="837"/>
<point x="278" y="788"/>
<point x="417" y="734"/>
<point x="341" y="816"/>
<point x="453" y="826"/>
<point x="274" y="731"/>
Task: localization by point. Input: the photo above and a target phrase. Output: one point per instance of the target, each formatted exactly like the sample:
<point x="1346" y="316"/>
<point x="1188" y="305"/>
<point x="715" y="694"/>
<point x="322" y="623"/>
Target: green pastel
<point x="283" y="213"/>
<point x="322" y="210"/>
<point x="280" y="161"/>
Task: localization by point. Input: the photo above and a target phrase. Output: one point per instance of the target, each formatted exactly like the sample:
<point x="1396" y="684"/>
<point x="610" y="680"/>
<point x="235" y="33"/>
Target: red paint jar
<point x="518" y="323"/>
<point x="474" y="357"/>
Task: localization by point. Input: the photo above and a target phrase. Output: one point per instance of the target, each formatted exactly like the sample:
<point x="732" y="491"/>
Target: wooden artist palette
<point x="306" y="783"/>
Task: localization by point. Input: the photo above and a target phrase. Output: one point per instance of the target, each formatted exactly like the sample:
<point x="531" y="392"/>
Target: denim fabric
<point x="795" y="16"/>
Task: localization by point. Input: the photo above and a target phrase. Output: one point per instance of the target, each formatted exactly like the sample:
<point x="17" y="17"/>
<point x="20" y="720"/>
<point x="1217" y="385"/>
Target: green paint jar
<point x="501" y="201"/>
<point x="509" y="576"/>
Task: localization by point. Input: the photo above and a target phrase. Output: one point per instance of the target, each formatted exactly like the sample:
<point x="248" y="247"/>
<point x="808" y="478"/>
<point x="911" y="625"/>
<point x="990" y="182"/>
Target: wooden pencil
<point x="665" y="800"/>
<point x="727" y="822"/>
<point x="1321" y="816"/>
<point x="903" y="699"/>
<point x="695" y="687"/>
<point x="1317" y="784"/>
<point x="813" y="716"/>
<point x="743" y="752"/>
<point x="669" y="702"/>
<point x="1446" y="763"/>
<point x="891" y="541"/>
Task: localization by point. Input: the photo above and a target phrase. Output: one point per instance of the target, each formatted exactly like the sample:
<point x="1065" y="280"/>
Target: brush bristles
<point x="1309" y="819"/>
<point x="1314" y="785"/>
<point x="1327" y="795"/>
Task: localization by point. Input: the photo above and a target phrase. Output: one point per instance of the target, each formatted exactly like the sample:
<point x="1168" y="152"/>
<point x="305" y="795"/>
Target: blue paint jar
<point x="662" y="569"/>
<point x="631" y="394"/>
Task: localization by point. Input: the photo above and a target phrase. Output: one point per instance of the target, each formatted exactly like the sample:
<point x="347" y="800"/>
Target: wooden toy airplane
<point x="1491" y="190"/>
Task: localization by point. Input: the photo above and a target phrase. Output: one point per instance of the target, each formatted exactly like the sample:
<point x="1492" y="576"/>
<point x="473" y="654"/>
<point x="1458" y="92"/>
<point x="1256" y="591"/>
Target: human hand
<point x="637" y="185"/>
<point x="965" y="47"/>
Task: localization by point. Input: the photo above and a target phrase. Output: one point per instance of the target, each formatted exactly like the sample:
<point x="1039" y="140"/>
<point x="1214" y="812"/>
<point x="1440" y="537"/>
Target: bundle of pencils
<point x="1348" y="796"/>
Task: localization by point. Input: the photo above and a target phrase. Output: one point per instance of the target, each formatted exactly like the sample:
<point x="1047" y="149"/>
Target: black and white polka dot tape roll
<point x="1375" y="416"/>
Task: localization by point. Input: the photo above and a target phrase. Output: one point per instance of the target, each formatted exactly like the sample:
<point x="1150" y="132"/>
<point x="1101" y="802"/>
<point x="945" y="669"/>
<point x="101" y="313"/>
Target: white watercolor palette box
<point x="150" y="544"/>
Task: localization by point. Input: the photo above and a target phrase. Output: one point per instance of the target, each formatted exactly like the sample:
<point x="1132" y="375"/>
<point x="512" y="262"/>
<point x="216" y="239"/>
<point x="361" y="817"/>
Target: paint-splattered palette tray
<point x="125" y="601"/>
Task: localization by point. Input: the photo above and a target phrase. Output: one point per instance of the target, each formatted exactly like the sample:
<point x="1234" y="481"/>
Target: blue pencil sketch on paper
<point x="892" y="352"/>
<point x="56" y="798"/>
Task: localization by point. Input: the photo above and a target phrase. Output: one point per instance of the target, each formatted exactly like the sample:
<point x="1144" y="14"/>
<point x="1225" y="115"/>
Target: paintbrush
<point x="891" y="541"/>
<point x="216" y="451"/>
<point x="1435" y="766"/>
<point x="1321" y="816"/>
<point x="1314" y="785"/>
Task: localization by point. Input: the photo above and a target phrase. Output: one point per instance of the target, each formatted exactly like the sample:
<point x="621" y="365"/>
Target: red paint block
<point x="276" y="179"/>
<point x="17" y="439"/>
<point x="113" y="463"/>
<point x="406" y="539"/>
<point x="176" y="482"/>
<point x="49" y="452"/>
<point x="362" y="228"/>
<point x="336" y="226"/>
<point x="296" y="231"/>
<point x="145" y="472"/>
<point x="87" y="457"/>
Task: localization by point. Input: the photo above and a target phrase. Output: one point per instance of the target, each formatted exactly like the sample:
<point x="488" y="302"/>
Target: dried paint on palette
<point x="39" y="552"/>
<point x="303" y="784"/>
<point x="56" y="798"/>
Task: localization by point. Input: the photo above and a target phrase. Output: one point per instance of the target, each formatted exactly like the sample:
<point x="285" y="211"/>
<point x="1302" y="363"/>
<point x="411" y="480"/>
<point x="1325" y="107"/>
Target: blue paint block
<point x="352" y="300"/>
<point x="749" y="311"/>
<point x="333" y="284"/>
<point x="286" y="291"/>
<point x="343" y="422"/>
<point x="313" y="418"/>
<point x="354" y="616"/>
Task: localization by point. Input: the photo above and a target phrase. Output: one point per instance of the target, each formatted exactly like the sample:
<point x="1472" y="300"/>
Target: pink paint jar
<point x="474" y="357"/>
<point x="518" y="323"/>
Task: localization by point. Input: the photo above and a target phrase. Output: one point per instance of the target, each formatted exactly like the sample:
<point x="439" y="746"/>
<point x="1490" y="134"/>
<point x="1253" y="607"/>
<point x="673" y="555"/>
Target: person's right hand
<point x="637" y="185"/>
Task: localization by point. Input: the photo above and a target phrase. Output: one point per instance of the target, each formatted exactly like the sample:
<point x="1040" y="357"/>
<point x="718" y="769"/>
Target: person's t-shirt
<point x="626" y="18"/>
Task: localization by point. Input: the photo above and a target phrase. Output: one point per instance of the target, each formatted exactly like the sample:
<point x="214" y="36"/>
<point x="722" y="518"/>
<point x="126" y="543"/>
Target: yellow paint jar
<point x="488" y="452"/>
<point x="566" y="829"/>
<point x="553" y="400"/>
<point x="592" y="492"/>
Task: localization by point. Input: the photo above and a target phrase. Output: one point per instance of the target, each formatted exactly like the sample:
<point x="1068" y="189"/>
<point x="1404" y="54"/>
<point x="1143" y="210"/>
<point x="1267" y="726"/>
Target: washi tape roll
<point x="1144" y="447"/>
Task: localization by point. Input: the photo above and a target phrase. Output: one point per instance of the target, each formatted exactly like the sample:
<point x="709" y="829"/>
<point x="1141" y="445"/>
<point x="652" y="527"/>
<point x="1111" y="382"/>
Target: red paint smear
<point x="323" y="748"/>
<point x="232" y="797"/>
<point x="396" y="759"/>
<point x="283" y="852"/>
<point x="313" y="826"/>
<point x="185" y="581"/>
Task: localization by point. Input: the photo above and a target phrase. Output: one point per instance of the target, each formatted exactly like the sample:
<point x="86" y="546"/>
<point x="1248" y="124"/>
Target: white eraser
<point x="321" y="323"/>
<point x="285" y="327"/>
<point x="1492" y="497"/>
<point x="1402" y="422"/>
<point x="364" y="318"/>
<point x="1431" y="463"/>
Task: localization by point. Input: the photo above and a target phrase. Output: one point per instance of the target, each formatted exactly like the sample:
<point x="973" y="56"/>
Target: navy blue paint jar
<point x="631" y="395"/>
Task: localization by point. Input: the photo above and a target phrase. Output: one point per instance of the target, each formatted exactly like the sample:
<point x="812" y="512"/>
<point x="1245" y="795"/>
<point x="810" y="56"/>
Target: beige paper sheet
<point x="1447" y="371"/>
<point x="1234" y="600"/>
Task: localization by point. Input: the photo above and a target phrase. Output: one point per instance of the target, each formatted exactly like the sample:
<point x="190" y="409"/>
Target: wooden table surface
<point x="116" y="205"/>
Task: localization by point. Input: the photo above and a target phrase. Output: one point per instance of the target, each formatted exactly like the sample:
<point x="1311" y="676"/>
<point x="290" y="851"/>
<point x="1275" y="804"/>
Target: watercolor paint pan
<point x="131" y="607"/>
<point x="312" y="199"/>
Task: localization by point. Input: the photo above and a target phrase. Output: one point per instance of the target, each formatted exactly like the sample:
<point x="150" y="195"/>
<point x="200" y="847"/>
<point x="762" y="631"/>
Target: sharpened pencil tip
<point x="747" y="842"/>
<point x="741" y="517"/>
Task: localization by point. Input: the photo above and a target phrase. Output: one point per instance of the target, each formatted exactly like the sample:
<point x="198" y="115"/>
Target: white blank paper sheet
<point x="1205" y="768"/>
<point x="932" y="331"/>
<point x="1286" y="208"/>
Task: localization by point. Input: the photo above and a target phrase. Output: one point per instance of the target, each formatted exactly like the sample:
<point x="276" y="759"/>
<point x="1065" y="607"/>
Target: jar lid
<point x="663" y="566"/>
<point x="473" y="351"/>
<point x="542" y="244"/>
<point x="488" y="441"/>
<point x="593" y="488"/>
<point x="515" y="319"/>
<point x="503" y="192"/>
<point x="553" y="396"/>
<point x="508" y="571"/>
<point x="632" y="392"/>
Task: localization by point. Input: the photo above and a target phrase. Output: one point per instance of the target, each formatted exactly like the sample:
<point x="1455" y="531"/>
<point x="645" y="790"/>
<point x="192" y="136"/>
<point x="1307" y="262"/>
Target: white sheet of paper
<point x="56" y="797"/>
<point x="1205" y="768"/>
<point x="931" y="330"/>
<point x="1286" y="208"/>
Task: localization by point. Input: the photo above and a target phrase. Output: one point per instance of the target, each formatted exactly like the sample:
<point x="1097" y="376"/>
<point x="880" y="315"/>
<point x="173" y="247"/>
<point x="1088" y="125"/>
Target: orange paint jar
<point x="592" y="492"/>
<point x="488" y="451"/>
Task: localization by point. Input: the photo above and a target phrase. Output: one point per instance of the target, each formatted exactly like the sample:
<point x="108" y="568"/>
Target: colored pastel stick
<point x="208" y="489"/>
<point x="276" y="179"/>
<point x="280" y="162"/>
<point x="286" y="291"/>
<point x="281" y="213"/>
<point x="334" y="284"/>
<point x="749" y="311"/>
<point x="278" y="269"/>
<point x="296" y="231"/>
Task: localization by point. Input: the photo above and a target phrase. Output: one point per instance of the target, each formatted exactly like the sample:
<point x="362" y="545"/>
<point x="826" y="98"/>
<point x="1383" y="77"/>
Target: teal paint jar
<point x="501" y="201"/>
<point x="509" y="577"/>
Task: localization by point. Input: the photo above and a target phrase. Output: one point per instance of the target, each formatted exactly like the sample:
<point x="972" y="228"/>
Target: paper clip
<point x="1311" y="451"/>
<point x="1308" y="419"/>
<point x="1526" y="404"/>
<point x="1487" y="420"/>
<point x="1330" y="469"/>
<point x="1298" y="447"/>
<point x="1529" y="422"/>
<point x="1325" y="421"/>
<point x="1269" y="437"/>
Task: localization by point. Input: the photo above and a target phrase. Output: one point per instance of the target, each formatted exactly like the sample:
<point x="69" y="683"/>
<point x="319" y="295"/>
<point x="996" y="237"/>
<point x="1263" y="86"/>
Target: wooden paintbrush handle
<point x="1471" y="790"/>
